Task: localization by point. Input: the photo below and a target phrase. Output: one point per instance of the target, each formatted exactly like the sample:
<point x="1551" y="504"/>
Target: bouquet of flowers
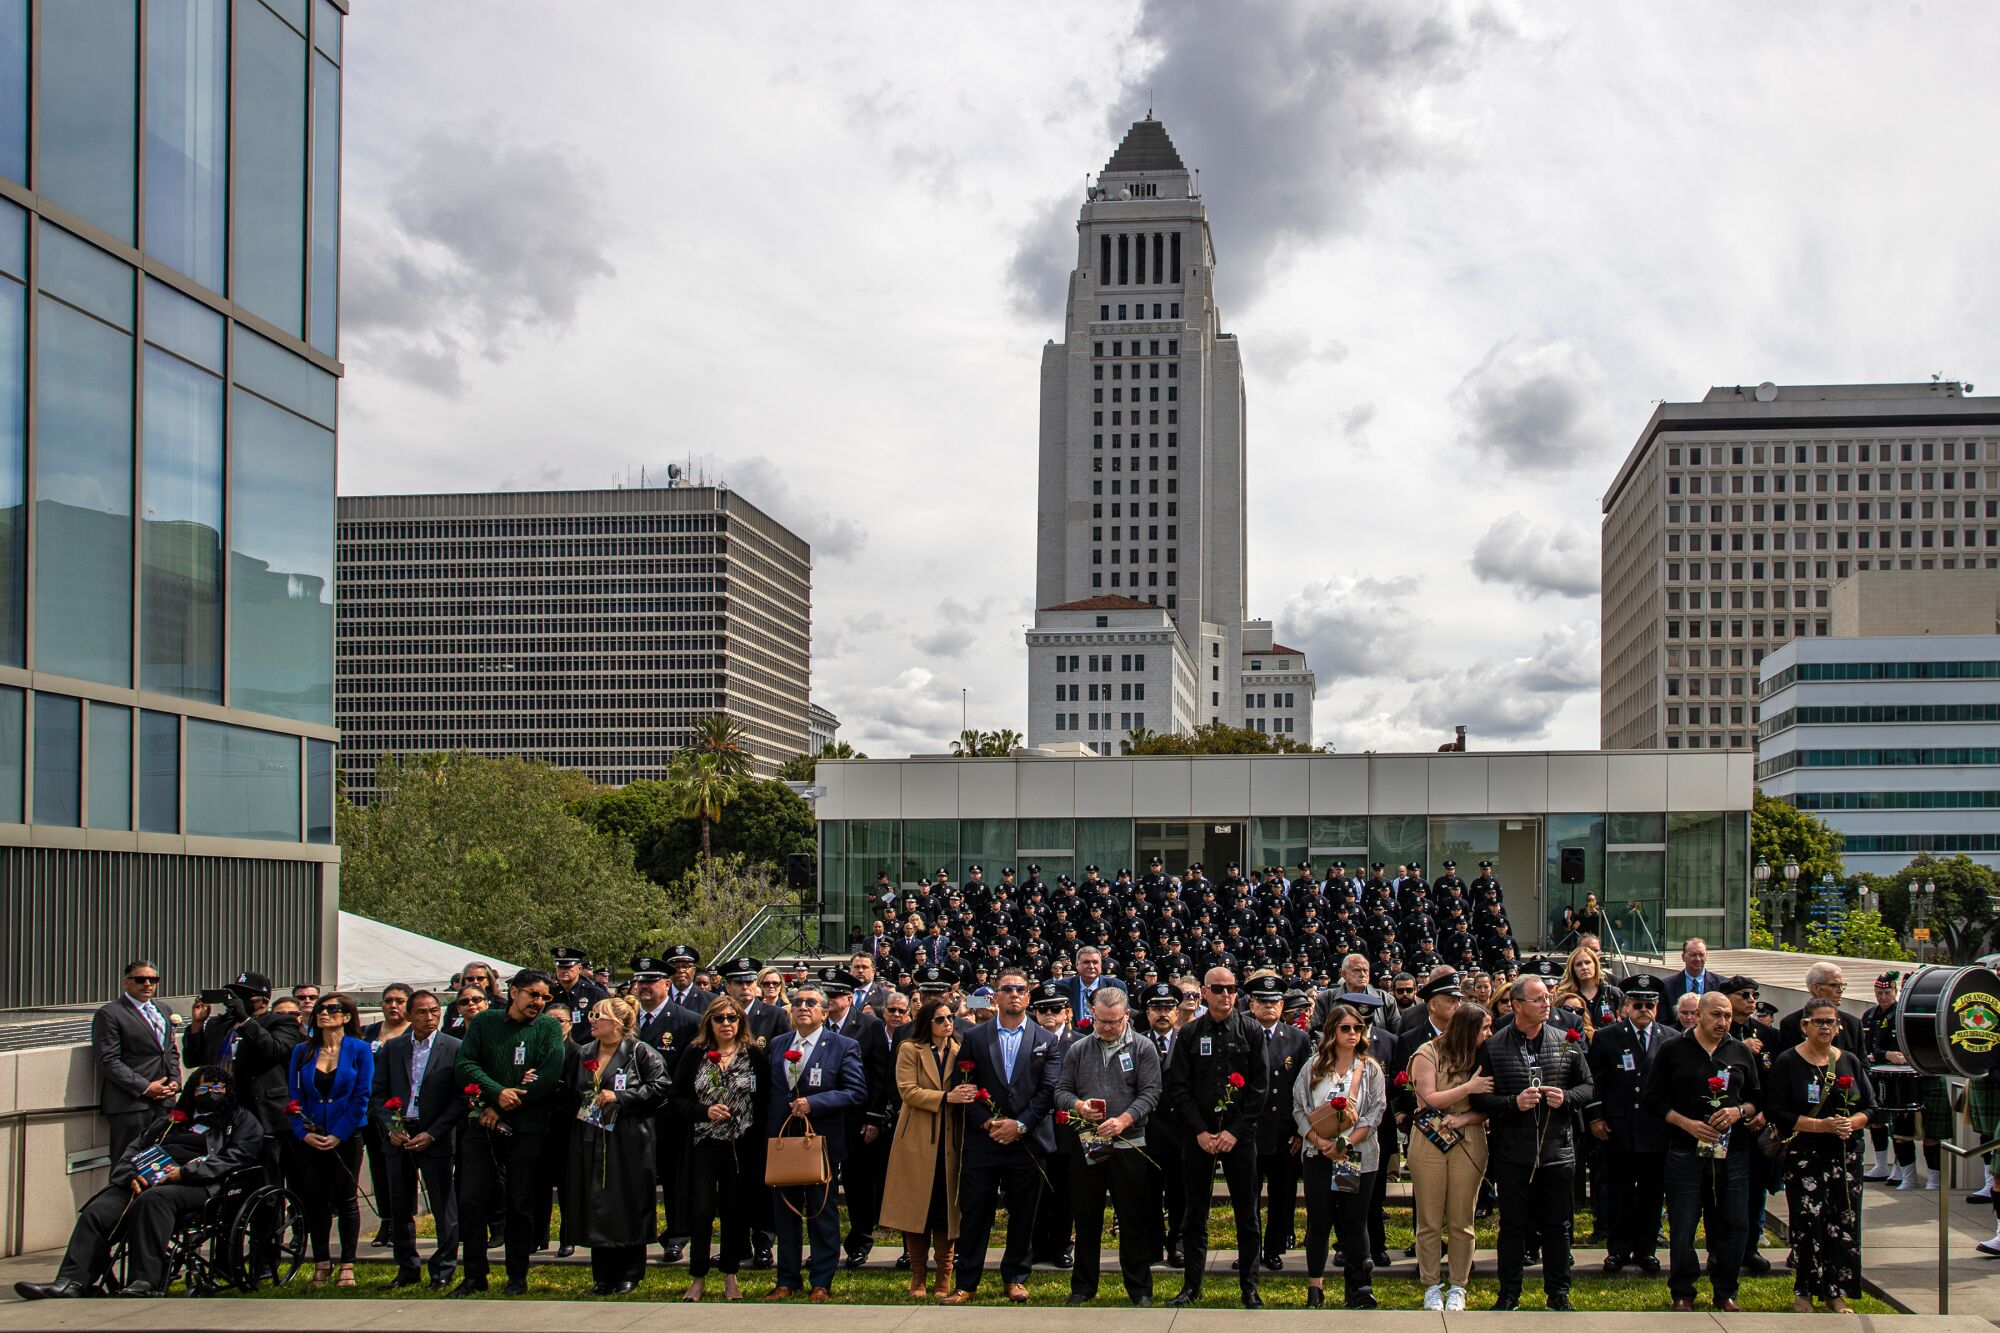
<point x="1718" y="1097"/>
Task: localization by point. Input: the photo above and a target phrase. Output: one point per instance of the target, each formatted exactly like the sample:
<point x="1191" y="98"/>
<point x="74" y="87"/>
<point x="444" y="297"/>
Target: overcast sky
<point x="818" y="249"/>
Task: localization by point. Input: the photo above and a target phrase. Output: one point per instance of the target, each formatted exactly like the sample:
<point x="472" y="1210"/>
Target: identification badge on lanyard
<point x="520" y="1055"/>
<point x="1812" y="1092"/>
<point x="1208" y="1046"/>
<point x="813" y="1076"/>
<point x="618" y="1081"/>
<point x="1125" y="1061"/>
<point x="1630" y="1062"/>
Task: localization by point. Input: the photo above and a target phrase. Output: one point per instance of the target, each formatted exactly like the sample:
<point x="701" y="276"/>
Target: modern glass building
<point x="169" y="318"/>
<point x="1665" y="837"/>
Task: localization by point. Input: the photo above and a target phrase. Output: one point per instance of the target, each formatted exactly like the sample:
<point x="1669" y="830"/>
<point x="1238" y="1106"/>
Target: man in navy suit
<point x="1083" y="986"/>
<point x="418" y="1070"/>
<point x="1012" y="1089"/>
<point x="815" y="1073"/>
<point x="1693" y="978"/>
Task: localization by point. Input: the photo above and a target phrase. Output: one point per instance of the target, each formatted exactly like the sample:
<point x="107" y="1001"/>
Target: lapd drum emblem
<point x="1978" y="1017"/>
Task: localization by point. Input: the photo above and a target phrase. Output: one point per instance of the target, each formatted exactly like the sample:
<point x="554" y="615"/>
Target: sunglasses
<point x="1012" y="990"/>
<point x="731" y="1019"/>
<point x="1744" y="994"/>
<point x="145" y="981"/>
<point x="1222" y="990"/>
<point x="1350" y="1027"/>
<point x="805" y="1004"/>
<point x="940" y="1018"/>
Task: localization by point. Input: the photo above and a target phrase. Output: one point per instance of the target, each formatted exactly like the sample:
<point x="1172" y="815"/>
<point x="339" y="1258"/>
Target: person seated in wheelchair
<point x="163" y="1183"/>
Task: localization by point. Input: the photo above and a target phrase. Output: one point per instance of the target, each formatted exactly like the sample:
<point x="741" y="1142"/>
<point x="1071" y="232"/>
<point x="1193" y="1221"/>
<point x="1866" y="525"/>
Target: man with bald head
<point x="1217" y="1080"/>
<point x="1540" y="1078"/>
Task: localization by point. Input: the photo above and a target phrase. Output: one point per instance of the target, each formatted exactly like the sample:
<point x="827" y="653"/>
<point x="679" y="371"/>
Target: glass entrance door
<point x="1180" y="844"/>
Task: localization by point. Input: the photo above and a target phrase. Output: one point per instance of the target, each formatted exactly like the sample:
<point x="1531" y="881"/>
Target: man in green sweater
<point x="510" y="1065"/>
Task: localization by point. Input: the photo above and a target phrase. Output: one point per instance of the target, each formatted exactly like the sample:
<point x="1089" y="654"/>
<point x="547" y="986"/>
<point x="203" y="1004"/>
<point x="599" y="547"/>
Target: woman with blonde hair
<point x="1443" y="1073"/>
<point x="1583" y="977"/>
<point x="1339" y="1164"/>
<point x="722" y="1086"/>
<point x="921" y="1196"/>
<point x="617" y="1081"/>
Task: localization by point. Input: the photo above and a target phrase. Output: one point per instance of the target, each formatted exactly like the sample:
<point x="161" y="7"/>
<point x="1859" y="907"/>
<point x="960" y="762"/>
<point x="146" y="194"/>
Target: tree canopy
<point x="485" y="853"/>
<point x="1962" y="918"/>
<point x="804" y="767"/>
<point x="1781" y="832"/>
<point x="986" y="744"/>
<point x="1213" y="738"/>
<point x="764" y="823"/>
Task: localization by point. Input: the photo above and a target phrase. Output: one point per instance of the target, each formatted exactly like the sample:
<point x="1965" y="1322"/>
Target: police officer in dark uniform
<point x="1633" y="1155"/>
<point x="1286" y="1050"/>
<point x="1217" y="1083"/>
<point x="668" y="1028"/>
<point x="575" y="991"/>
<point x="1165" y="1137"/>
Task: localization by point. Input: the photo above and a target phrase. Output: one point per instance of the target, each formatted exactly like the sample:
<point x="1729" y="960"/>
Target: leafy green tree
<point x="724" y="737"/>
<point x="485" y="853"/>
<point x="706" y="906"/>
<point x="986" y="744"/>
<point x="804" y="767"/>
<point x="1962" y="919"/>
<point x="701" y="787"/>
<point x="1216" y="738"/>
<point x="1780" y="832"/>
<point x="766" y="822"/>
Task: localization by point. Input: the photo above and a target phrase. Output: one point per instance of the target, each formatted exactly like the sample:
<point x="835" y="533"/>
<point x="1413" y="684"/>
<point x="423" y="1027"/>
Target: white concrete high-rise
<point x="1142" y="460"/>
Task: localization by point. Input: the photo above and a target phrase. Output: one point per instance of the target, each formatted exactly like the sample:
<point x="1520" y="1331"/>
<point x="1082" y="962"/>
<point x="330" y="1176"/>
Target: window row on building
<point x="1866" y="451"/>
<point x="1904" y="756"/>
<point x="1895" y="800"/>
<point x="1858" y="714"/>
<point x="1135" y="251"/>
<point x="1837" y="671"/>
<point x="1130" y="310"/>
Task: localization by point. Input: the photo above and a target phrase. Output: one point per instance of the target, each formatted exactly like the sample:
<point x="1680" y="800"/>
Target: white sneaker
<point x="1454" y="1299"/>
<point x="1990" y="1246"/>
<point x="1932" y="1182"/>
<point x="1434" y="1297"/>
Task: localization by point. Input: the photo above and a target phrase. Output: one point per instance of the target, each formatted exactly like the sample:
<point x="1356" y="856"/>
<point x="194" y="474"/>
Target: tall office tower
<point x="590" y="629"/>
<point x="1140" y="506"/>
<point x="169" y="302"/>
<point x="1732" y="518"/>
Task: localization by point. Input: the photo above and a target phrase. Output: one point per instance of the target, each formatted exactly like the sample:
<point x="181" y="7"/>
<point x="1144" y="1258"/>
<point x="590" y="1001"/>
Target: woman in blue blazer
<point x="332" y="1073"/>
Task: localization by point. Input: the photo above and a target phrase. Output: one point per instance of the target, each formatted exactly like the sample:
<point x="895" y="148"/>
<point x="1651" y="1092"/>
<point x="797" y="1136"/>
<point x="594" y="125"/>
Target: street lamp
<point x="1763" y="871"/>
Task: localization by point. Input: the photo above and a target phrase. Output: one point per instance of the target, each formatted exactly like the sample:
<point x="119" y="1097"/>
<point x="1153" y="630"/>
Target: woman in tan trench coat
<point x="921" y="1196"/>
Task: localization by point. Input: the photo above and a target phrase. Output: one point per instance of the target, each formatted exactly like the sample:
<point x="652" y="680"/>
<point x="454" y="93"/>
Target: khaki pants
<point x="1447" y="1190"/>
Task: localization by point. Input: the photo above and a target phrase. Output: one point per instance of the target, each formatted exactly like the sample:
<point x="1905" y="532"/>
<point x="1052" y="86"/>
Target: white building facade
<point x="1892" y="740"/>
<point x="1278" y="685"/>
<point x="1141" y="491"/>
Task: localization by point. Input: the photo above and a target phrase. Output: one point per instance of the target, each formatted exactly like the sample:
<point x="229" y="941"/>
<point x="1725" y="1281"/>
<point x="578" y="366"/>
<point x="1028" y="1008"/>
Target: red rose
<point x="1572" y="1034"/>
<point x="590" y="1066"/>
<point x="965" y="1066"/>
<point x="292" y="1107"/>
<point x="1083" y="1025"/>
<point x="982" y="1096"/>
<point x="1338" y="1103"/>
<point x="1718" y="1083"/>
<point x="790" y="978"/>
<point x="1062" y="1117"/>
<point x="472" y="1090"/>
<point x="1236" y="1080"/>
<point x="180" y="1117"/>
<point x="1402" y="1078"/>
<point x="794" y="1056"/>
<point x="715" y="1057"/>
<point x="1845" y="1082"/>
<point x="392" y="1103"/>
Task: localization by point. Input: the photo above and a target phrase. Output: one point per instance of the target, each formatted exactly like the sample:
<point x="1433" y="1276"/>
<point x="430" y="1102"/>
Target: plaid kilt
<point x="1982" y="1106"/>
<point x="1939" y="1119"/>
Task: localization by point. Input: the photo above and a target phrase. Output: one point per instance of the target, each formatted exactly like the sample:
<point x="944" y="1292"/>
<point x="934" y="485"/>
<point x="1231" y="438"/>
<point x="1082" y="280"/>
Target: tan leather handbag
<point x="797" y="1160"/>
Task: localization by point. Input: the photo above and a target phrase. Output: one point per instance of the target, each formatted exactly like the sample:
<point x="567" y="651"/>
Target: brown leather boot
<point x="947" y="1254"/>
<point x="919" y="1246"/>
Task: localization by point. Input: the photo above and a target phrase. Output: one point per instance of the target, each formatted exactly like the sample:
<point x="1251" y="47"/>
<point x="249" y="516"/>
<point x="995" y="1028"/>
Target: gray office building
<point x="169" y="304"/>
<point x="589" y="629"/>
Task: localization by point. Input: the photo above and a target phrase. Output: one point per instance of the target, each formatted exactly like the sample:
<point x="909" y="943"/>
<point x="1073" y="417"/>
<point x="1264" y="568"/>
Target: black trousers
<point x="400" y="1171"/>
<point x="326" y="1181"/>
<point x="1278" y="1176"/>
<point x="612" y="1264"/>
<point x="125" y="1127"/>
<point x="1632" y="1190"/>
<point x="1239" y="1173"/>
<point x="1541" y="1199"/>
<point x="1123" y="1174"/>
<point x="1345" y="1213"/>
<point x="867" y="1172"/>
<point x="1052" y="1219"/>
<point x="494" y="1168"/>
<point x="1164" y="1182"/>
<point x="1378" y="1195"/>
<point x="980" y="1181"/>
<point x="719" y="1184"/>
<point x="375" y="1148"/>
<point x="673" y="1139"/>
<point x="148" y="1220"/>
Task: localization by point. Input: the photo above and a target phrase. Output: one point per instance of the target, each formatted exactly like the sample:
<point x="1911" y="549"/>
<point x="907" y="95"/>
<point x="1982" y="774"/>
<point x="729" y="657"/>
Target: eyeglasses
<point x="1834" y="985"/>
<point x="1350" y="1027"/>
<point x="1012" y="990"/>
<point x="1744" y="994"/>
<point x="211" y="1087"/>
<point x="145" y="981"/>
<point x="1645" y="1004"/>
<point x="805" y="1003"/>
<point x="721" y="1018"/>
<point x="940" y="1018"/>
<point x="1824" y="1022"/>
<point x="897" y="1013"/>
<point x="1222" y="990"/>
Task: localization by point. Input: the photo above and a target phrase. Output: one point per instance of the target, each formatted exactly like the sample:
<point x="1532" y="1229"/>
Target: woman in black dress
<point x="722" y="1087"/>
<point x="1819" y="1097"/>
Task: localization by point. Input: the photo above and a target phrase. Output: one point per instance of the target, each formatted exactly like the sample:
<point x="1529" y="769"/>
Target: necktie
<point x="154" y="1021"/>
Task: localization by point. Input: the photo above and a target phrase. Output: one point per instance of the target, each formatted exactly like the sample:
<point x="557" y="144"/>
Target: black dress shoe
<point x="1506" y="1303"/>
<point x="1066" y="1259"/>
<point x="48" y="1291"/>
<point x="471" y="1286"/>
<point x="1381" y="1258"/>
<point x="1613" y="1264"/>
<point x="565" y="1251"/>
<point x="1272" y="1262"/>
<point x="1176" y="1257"/>
<point x="625" y="1288"/>
<point x="1410" y="1251"/>
<point x="762" y="1259"/>
<point x="1362" y="1300"/>
<point x="1649" y="1264"/>
<point x="673" y="1250"/>
<point x="1755" y="1264"/>
<point x="1315" y="1298"/>
<point x="514" y="1288"/>
<point x="440" y="1283"/>
<point x="1561" y="1303"/>
<point x="902" y="1262"/>
<point x="140" y="1290"/>
<point x="1077" y="1298"/>
<point x="600" y="1288"/>
<point x="1185" y="1297"/>
<point x="1143" y="1303"/>
<point x="1252" y="1300"/>
<point x="407" y="1277"/>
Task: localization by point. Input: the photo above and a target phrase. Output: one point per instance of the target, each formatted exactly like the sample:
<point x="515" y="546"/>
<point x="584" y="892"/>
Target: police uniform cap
<point x="1265" y="988"/>
<point x="1549" y="969"/>
<point x="974" y="870"/>
<point x="940" y="873"/>
<point x="1641" y="986"/>
<point x="1035" y="870"/>
<point x="1765" y="1009"/>
<point x="645" y="967"/>
<point x="838" y="980"/>
<point x="933" y="977"/>
<point x="745" y="968"/>
<point x="1361" y="1000"/>
<point x="1006" y="870"/>
<point x="1050" y="995"/>
<point x="1436" y="986"/>
<point x="1485" y="865"/>
<point x="567" y="955"/>
<point x="1306" y="864"/>
<point x="1153" y="860"/>
<point x="1123" y="872"/>
<point x="1195" y="866"/>
<point x="683" y="956"/>
<point x="1090" y="869"/>
<point x="1232" y="866"/>
<point x="1376" y="866"/>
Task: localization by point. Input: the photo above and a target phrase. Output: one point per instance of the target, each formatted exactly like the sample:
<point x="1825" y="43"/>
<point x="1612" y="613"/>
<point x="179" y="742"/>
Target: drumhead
<point x="1948" y="1021"/>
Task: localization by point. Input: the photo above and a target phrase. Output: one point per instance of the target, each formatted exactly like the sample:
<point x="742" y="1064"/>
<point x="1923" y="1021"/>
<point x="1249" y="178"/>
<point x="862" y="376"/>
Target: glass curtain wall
<point x="187" y="137"/>
<point x="1397" y="840"/>
<point x="110" y="767"/>
<point x="90" y="111"/>
<point x="180" y="539"/>
<point x="13" y="436"/>
<point x="271" y="152"/>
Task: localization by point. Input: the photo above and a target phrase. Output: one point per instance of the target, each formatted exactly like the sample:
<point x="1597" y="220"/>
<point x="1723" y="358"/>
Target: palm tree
<point x="1000" y="743"/>
<point x="724" y="737"/>
<point x="1136" y="740"/>
<point x="701" y="789"/>
<point x="967" y="744"/>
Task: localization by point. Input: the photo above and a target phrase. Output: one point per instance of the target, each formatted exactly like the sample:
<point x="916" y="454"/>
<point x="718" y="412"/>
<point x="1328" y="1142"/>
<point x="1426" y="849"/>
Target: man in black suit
<point x="420" y="1136"/>
<point x="1011" y="1093"/>
<point x="1164" y="1136"/>
<point x="1286" y="1051"/>
<point x="669" y="1029"/>
<point x="681" y="989"/>
<point x="136" y="1056"/>
<point x="1694" y="976"/>
<point x="1634" y="1154"/>
<point x="868" y="1123"/>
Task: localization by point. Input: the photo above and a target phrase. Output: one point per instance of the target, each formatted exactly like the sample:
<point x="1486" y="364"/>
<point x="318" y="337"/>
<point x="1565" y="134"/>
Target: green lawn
<point x="573" y="1282"/>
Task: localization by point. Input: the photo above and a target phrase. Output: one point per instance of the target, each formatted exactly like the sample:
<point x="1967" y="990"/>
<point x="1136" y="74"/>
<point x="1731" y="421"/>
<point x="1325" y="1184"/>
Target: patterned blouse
<point x="733" y="1085"/>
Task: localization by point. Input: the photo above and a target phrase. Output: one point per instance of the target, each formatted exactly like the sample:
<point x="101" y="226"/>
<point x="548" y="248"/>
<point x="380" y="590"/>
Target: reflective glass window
<point x="294" y="11"/>
<point x="180" y="541"/>
<point x="58" y="759"/>
<point x="184" y="326"/>
<point x="187" y="136"/>
<point x="14" y="93"/>
<point x="325" y="205"/>
<point x="319" y="791"/>
<point x="270" y="224"/>
<point x="281" y="563"/>
<point x="86" y="277"/>
<point x="13" y="473"/>
<point x="110" y="766"/>
<point x="13" y="739"/>
<point x="242" y="783"/>
<point x="159" y="773"/>
<point x="90" y="110"/>
<point x="83" y="498"/>
<point x="284" y="378"/>
<point x="326" y="29"/>
<point x="13" y="239"/>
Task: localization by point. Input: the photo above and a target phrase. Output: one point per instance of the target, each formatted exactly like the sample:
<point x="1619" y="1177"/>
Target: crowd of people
<point x="1049" y="1051"/>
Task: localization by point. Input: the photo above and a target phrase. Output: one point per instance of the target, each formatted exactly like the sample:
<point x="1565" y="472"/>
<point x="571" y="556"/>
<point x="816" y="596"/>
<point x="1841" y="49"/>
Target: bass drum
<point x="1948" y="1022"/>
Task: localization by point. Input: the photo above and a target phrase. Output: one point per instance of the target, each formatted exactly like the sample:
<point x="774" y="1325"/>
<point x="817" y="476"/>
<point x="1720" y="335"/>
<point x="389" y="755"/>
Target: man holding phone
<point x="1540" y="1076"/>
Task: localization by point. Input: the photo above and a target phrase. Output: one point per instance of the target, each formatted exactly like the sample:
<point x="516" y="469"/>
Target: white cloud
<point x="1533" y="406"/>
<point x="1512" y="699"/>
<point x="1535" y="560"/>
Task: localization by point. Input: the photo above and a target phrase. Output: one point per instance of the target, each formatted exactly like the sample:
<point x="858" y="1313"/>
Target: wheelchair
<point x="251" y="1234"/>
